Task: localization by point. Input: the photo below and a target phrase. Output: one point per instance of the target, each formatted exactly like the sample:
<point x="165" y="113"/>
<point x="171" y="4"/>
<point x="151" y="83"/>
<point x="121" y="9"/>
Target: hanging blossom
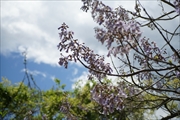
<point x="113" y="98"/>
<point x="177" y="6"/>
<point x="152" y="54"/>
<point x="77" y="51"/>
<point x="119" y="28"/>
<point x="151" y="50"/>
<point x="109" y="97"/>
<point x="44" y="117"/>
<point x="65" y="109"/>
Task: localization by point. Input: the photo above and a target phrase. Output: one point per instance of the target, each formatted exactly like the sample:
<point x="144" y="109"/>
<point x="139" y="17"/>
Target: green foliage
<point x="87" y="108"/>
<point x="17" y="100"/>
<point x="82" y="105"/>
<point x="51" y="103"/>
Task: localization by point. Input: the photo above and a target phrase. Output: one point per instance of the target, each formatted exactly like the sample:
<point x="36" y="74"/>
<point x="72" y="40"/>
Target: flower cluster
<point x="44" y="117"/>
<point x="109" y="97"/>
<point x="149" y="54"/>
<point x="177" y="6"/>
<point x="86" y="5"/>
<point x="119" y="28"/>
<point x="65" y="109"/>
<point x="177" y="73"/>
<point x="100" y="12"/>
<point x="151" y="50"/>
<point x="77" y="51"/>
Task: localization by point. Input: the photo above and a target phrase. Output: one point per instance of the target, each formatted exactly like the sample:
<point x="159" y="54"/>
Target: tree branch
<point x="171" y="116"/>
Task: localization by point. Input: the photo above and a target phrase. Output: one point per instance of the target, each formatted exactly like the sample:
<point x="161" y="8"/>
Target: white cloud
<point x="81" y="80"/>
<point x="160" y="113"/>
<point x="33" y="25"/>
<point x="52" y="78"/>
<point x="35" y="72"/>
<point x="75" y="71"/>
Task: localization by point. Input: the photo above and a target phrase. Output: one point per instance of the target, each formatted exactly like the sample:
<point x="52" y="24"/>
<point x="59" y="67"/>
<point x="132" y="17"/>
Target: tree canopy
<point x="54" y="104"/>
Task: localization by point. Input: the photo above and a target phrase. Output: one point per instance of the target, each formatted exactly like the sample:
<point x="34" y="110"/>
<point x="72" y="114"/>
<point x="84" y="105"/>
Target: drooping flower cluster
<point x="109" y="97"/>
<point x="119" y="28"/>
<point x="177" y="6"/>
<point x="77" y="51"/>
<point x="65" y="109"/>
<point x="149" y="55"/>
<point x="151" y="52"/>
<point x="86" y="5"/>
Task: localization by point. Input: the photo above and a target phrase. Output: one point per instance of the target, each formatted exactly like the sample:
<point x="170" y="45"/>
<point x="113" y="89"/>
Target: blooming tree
<point x="151" y="70"/>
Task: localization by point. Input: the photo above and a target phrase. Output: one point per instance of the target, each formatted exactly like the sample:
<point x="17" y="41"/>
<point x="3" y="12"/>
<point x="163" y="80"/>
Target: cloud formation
<point x="33" y="26"/>
<point x="80" y="81"/>
<point x="35" y="72"/>
<point x="75" y="71"/>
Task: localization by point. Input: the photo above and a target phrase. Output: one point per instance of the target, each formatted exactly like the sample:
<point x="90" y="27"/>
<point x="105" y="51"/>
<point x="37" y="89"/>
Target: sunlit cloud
<point x="35" y="72"/>
<point x="75" y="71"/>
<point x="52" y="78"/>
<point x="81" y="80"/>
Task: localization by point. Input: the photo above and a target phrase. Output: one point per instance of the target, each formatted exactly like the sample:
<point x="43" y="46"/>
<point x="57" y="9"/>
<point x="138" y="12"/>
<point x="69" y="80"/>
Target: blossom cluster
<point x="109" y="97"/>
<point x="177" y="6"/>
<point x="119" y="28"/>
<point x="77" y="51"/>
<point x="151" y="52"/>
<point x="113" y="97"/>
<point x="65" y="109"/>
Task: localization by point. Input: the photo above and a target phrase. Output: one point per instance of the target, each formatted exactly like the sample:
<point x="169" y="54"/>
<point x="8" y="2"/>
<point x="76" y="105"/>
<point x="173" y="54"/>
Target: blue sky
<point x="12" y="67"/>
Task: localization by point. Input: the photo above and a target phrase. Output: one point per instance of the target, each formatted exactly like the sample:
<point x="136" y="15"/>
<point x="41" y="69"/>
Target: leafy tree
<point x="90" y="110"/>
<point x="20" y="102"/>
<point x="55" y="104"/>
<point x="17" y="101"/>
<point x="52" y="101"/>
<point x="154" y="71"/>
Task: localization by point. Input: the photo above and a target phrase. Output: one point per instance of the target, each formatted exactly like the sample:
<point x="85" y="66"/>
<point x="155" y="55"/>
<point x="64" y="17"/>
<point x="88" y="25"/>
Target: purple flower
<point x="177" y="6"/>
<point x="77" y="51"/>
<point x="178" y="74"/>
<point x="109" y="97"/>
